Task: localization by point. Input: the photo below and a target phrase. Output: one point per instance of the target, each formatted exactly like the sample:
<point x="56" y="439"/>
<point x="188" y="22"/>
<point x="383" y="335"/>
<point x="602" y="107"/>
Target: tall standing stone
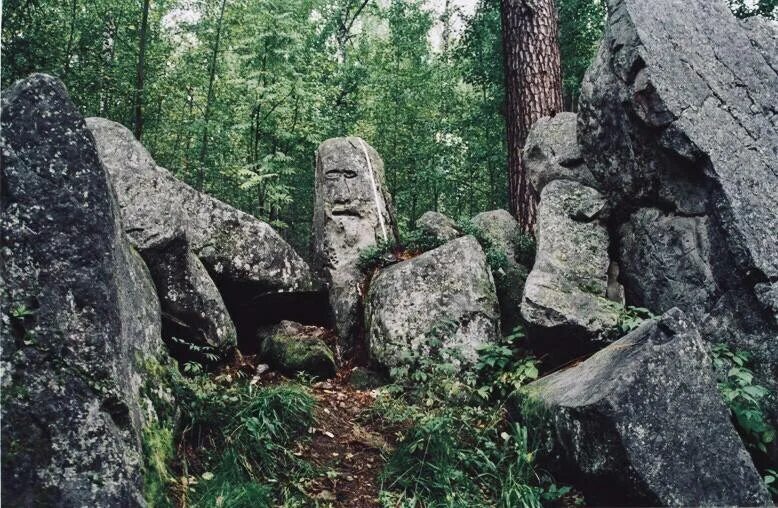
<point x="79" y="322"/>
<point x="352" y="211"/>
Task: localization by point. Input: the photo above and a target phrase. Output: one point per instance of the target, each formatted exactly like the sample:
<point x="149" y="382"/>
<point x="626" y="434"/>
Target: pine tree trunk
<point x="533" y="89"/>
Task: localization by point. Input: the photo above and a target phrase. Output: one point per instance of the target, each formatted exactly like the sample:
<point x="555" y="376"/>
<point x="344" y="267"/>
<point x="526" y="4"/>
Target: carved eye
<point x="333" y="175"/>
<point x="349" y="173"/>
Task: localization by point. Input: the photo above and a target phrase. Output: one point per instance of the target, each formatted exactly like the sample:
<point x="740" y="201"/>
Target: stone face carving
<point x="352" y="211"/>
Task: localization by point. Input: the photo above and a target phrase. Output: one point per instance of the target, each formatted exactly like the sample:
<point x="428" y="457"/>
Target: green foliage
<point x="461" y="456"/>
<point x="771" y="480"/>
<point x="631" y="317"/>
<point x="504" y="367"/>
<point x="460" y="449"/>
<point x="21" y="311"/>
<point x="377" y="256"/>
<point x="524" y="245"/>
<point x="384" y="254"/>
<point x="581" y="23"/>
<point x="244" y="436"/>
<point x="197" y="357"/>
<point x="745" y="398"/>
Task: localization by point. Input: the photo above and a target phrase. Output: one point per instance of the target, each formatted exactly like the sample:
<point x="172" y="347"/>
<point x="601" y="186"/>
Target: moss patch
<point x="162" y="381"/>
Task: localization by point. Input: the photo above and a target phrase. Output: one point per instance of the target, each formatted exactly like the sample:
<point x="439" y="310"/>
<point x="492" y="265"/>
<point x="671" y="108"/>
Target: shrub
<point x="747" y="402"/>
<point x="743" y="396"/>
<point x="504" y="367"/>
<point x="459" y="448"/>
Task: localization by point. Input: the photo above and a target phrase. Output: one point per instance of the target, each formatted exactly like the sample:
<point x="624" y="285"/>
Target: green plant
<point x="503" y="367"/>
<point x="771" y="480"/>
<point x="376" y="256"/>
<point x="20" y="311"/>
<point x="419" y="241"/>
<point x="469" y="455"/>
<point x="459" y="447"/>
<point x="631" y="317"/>
<point x="201" y="355"/>
<point x="245" y="435"/>
<point x="745" y="398"/>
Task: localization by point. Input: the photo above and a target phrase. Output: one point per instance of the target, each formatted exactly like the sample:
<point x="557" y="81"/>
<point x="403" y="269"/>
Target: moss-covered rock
<point x="442" y="300"/>
<point x="292" y="348"/>
<point x="366" y="379"/>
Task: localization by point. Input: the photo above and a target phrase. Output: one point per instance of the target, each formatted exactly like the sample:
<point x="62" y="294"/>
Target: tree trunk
<point x="209" y="98"/>
<point x="71" y="37"/>
<point x="140" y="73"/>
<point x="533" y="89"/>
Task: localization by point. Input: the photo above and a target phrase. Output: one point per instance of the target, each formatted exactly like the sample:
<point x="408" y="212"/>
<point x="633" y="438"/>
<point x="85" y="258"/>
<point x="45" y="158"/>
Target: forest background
<point x="234" y="96"/>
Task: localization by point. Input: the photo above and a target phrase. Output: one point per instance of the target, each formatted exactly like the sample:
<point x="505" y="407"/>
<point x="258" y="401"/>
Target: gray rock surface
<point x="192" y="308"/>
<point x="678" y="114"/>
<point x="552" y="152"/>
<point x="500" y="229"/>
<point x="502" y="232"/>
<point x="652" y="241"/>
<point x="80" y="324"/>
<point x="438" y="226"/>
<point x="641" y="423"/>
<point x="446" y="295"/>
<point x="565" y="301"/>
<point x="244" y="256"/>
<point x="293" y="348"/>
<point x="509" y="281"/>
<point x="352" y="211"/>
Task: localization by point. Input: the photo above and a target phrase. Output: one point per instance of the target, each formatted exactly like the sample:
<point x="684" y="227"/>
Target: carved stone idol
<point x="352" y="211"/>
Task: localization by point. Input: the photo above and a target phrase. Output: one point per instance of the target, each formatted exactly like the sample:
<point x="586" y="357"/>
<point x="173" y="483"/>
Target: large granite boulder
<point x="565" y="302"/>
<point x="438" y="226"/>
<point x="441" y="301"/>
<point x="352" y="211"/>
<point x="80" y="327"/>
<point x="552" y="152"/>
<point x="641" y="423"/>
<point x="249" y="262"/>
<point x="677" y="123"/>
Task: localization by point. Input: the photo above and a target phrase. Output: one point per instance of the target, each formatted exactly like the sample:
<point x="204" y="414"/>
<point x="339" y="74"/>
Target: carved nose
<point x="342" y="194"/>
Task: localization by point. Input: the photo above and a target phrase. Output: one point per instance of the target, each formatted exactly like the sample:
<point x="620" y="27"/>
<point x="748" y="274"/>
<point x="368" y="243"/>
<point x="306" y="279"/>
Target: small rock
<point x="438" y="226"/>
<point x="294" y="353"/>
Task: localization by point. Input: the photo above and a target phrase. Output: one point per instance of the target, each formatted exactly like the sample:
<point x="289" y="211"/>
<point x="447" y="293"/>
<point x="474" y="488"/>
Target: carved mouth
<point x="345" y="210"/>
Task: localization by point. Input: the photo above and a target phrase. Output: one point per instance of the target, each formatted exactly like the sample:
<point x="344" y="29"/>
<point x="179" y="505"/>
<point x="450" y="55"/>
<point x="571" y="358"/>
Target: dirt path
<point x="349" y="449"/>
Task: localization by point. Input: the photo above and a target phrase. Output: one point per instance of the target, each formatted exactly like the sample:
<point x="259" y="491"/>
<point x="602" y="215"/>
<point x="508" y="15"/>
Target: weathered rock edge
<point x="642" y="423"/>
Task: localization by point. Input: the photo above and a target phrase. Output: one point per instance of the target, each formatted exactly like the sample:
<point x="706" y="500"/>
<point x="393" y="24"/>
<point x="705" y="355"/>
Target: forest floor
<point x="346" y="445"/>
